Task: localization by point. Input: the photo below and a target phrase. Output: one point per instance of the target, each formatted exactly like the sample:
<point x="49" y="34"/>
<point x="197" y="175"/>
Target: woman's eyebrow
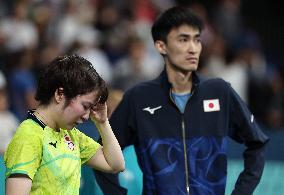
<point x="89" y="104"/>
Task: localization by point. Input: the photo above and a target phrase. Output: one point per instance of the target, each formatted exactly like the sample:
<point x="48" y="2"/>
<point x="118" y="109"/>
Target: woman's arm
<point x="18" y="186"/>
<point x="108" y="158"/>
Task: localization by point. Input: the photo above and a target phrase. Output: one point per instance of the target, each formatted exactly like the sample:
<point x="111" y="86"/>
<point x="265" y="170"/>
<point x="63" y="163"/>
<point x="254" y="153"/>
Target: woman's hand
<point x="99" y="113"/>
<point x="108" y="158"/>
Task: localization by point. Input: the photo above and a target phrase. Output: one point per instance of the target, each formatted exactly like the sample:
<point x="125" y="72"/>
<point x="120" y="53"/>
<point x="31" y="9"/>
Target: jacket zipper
<point x="185" y="157"/>
<point x="184" y="146"/>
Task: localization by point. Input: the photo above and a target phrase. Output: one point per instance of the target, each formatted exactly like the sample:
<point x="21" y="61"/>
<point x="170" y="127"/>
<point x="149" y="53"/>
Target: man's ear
<point x="59" y="94"/>
<point x="161" y="47"/>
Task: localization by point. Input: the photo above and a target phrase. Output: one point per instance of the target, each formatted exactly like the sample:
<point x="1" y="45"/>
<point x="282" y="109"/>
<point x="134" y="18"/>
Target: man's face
<point x="183" y="48"/>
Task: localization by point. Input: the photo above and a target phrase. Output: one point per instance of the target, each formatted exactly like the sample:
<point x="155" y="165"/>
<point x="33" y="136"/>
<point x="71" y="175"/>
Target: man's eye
<point x="183" y="40"/>
<point x="198" y="40"/>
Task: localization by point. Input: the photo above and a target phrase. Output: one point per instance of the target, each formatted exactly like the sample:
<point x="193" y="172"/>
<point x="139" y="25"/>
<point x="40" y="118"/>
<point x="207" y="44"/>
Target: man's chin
<point x="188" y="70"/>
<point x="192" y="67"/>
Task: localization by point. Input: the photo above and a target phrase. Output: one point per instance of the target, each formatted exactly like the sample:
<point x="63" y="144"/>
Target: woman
<point x="47" y="151"/>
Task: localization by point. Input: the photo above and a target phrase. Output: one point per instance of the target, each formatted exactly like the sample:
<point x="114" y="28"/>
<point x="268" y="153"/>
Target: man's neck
<point x="181" y="81"/>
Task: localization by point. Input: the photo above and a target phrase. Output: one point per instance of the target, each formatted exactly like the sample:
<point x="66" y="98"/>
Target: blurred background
<point x="243" y="43"/>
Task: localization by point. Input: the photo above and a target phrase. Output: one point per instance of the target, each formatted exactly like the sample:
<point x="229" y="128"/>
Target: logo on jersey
<point x="212" y="105"/>
<point x="152" y="110"/>
<point x="53" y="144"/>
<point x="69" y="142"/>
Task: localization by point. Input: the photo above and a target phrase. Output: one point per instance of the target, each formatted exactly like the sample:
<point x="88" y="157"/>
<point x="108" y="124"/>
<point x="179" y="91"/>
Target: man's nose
<point x="192" y="47"/>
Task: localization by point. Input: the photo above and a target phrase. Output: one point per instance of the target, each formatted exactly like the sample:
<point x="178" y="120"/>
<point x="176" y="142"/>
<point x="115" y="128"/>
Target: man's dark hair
<point x="173" y="18"/>
<point x="74" y="74"/>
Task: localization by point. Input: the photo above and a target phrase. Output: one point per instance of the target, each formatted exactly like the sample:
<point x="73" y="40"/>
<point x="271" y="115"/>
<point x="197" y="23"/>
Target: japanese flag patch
<point x="69" y="142"/>
<point x="211" y="105"/>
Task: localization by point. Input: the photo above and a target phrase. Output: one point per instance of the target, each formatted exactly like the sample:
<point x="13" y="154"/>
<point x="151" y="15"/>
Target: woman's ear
<point x="161" y="47"/>
<point x="59" y="94"/>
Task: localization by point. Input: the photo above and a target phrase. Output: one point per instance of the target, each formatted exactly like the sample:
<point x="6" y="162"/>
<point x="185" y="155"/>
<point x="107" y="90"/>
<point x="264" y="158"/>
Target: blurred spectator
<point x="162" y="5"/>
<point x="216" y="57"/>
<point x="275" y="114"/>
<point x="258" y="89"/>
<point x="76" y="14"/>
<point x="18" y="31"/>
<point x="234" y="70"/>
<point x="48" y="53"/>
<point x="2" y="80"/>
<point x="68" y="25"/>
<point x="228" y="20"/>
<point x="114" y="97"/>
<point x="144" y="10"/>
<point x="208" y="33"/>
<point x="42" y="17"/>
<point x="115" y="30"/>
<point x="22" y="84"/>
<point x="8" y="122"/>
<point x="88" y="48"/>
<point x="135" y="67"/>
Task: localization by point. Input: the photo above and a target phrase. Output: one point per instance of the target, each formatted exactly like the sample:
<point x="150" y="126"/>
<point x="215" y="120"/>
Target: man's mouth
<point x="192" y="59"/>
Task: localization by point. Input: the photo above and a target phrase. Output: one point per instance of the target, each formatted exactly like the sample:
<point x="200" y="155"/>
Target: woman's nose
<point x="86" y="116"/>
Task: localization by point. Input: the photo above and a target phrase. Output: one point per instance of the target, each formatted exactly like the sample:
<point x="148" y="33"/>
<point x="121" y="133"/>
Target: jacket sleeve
<point x="123" y="124"/>
<point x="244" y="129"/>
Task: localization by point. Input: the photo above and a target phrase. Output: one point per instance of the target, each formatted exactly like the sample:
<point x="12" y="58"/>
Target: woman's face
<point x="77" y="111"/>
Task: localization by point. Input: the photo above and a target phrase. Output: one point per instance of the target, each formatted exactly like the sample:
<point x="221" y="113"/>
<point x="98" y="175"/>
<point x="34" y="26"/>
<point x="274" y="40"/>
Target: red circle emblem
<point x="211" y="105"/>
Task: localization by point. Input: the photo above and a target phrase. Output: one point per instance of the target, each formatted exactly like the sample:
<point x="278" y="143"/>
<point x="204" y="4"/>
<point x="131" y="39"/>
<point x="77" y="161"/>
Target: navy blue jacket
<point x="179" y="152"/>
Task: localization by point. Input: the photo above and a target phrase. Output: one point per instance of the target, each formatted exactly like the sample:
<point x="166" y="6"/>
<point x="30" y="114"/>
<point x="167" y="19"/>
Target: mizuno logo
<point x="53" y="144"/>
<point x="152" y="110"/>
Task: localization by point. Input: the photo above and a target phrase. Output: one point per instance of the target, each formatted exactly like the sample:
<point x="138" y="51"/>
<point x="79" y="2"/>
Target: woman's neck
<point x="43" y="113"/>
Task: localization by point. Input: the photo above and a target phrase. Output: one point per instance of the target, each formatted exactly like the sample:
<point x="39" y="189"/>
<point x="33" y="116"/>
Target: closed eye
<point x="86" y="107"/>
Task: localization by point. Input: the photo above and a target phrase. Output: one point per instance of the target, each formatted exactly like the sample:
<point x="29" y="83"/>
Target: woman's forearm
<point x="111" y="148"/>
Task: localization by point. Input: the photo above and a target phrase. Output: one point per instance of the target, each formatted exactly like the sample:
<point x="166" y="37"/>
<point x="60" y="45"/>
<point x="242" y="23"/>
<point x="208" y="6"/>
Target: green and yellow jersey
<point x="51" y="159"/>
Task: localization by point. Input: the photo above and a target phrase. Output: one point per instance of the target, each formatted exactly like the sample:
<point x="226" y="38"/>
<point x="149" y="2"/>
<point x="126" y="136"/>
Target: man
<point x="179" y="123"/>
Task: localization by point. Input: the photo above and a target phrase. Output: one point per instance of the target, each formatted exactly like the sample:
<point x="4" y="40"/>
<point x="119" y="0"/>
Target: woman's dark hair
<point x="74" y="74"/>
<point x="173" y="18"/>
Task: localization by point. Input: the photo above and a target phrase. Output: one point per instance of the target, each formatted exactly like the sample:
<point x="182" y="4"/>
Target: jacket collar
<point x="166" y="85"/>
